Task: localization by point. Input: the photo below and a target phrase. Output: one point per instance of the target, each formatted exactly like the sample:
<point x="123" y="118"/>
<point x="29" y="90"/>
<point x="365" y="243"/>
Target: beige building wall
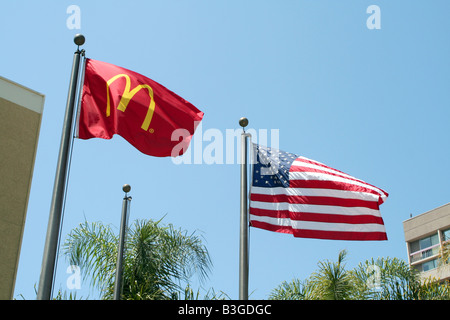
<point x="20" y="120"/>
<point x="425" y="236"/>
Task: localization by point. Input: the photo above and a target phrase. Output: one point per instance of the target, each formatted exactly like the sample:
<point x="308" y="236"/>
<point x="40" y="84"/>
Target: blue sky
<point x="373" y="103"/>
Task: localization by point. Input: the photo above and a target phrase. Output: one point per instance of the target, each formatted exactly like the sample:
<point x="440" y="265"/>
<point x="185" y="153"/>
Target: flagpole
<point x="123" y="227"/>
<point x="243" y="245"/>
<point x="54" y="222"/>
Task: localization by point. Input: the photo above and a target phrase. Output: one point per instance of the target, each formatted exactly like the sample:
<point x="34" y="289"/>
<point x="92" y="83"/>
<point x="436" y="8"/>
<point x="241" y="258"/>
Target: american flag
<point x="303" y="197"/>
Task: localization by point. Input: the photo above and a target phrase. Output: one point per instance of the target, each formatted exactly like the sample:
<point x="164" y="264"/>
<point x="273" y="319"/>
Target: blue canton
<point x="272" y="167"/>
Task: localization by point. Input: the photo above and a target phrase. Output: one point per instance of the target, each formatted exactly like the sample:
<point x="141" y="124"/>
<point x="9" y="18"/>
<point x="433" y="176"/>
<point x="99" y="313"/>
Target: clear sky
<point x="373" y="103"/>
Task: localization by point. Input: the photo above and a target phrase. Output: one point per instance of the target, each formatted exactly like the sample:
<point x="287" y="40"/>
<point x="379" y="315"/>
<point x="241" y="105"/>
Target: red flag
<point x="145" y="113"/>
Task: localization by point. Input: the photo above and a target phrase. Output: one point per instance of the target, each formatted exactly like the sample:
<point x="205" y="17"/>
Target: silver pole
<point x="54" y="222"/>
<point x="123" y="228"/>
<point x="243" y="245"/>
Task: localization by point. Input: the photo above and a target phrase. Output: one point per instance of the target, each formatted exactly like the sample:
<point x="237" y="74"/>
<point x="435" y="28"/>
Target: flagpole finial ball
<point x="126" y="188"/>
<point x="79" y="39"/>
<point x="243" y="122"/>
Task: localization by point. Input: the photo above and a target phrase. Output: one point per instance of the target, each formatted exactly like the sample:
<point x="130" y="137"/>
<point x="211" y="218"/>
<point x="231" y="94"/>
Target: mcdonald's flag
<point x="145" y="113"/>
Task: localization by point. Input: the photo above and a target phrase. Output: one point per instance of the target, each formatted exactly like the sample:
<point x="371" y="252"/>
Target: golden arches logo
<point x="128" y="95"/>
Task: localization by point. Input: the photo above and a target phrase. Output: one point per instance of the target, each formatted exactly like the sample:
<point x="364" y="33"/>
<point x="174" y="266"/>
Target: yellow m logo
<point x="127" y="96"/>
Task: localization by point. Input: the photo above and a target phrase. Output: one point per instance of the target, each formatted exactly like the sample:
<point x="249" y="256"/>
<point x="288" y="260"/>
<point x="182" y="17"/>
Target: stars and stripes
<point x="303" y="197"/>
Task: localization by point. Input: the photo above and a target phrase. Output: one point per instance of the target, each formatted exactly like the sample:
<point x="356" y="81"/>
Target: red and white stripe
<point x="320" y="202"/>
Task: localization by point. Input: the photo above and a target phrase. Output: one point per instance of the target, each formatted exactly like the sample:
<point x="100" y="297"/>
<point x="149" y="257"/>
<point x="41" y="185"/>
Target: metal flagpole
<point x="123" y="228"/>
<point x="243" y="245"/>
<point x="54" y="222"/>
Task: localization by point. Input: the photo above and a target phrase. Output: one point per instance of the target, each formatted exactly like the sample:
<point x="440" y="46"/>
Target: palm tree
<point x="332" y="281"/>
<point x="385" y="279"/>
<point x="294" y="290"/>
<point x="396" y="280"/>
<point x="444" y="254"/>
<point x="159" y="261"/>
<point x="380" y="279"/>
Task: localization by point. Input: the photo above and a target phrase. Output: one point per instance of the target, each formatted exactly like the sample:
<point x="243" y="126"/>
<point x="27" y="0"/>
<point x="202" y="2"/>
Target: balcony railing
<point x="425" y="253"/>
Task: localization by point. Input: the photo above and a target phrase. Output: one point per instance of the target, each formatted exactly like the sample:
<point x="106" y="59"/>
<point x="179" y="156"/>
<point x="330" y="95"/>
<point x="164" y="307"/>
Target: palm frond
<point x="93" y="247"/>
<point x="158" y="260"/>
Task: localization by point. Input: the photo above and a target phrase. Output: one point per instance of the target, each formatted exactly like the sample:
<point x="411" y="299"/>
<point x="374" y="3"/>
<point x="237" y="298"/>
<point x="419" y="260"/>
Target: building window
<point x="424" y="248"/>
<point x="445" y="251"/>
<point x="446" y="235"/>
<point x="429" y="265"/>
